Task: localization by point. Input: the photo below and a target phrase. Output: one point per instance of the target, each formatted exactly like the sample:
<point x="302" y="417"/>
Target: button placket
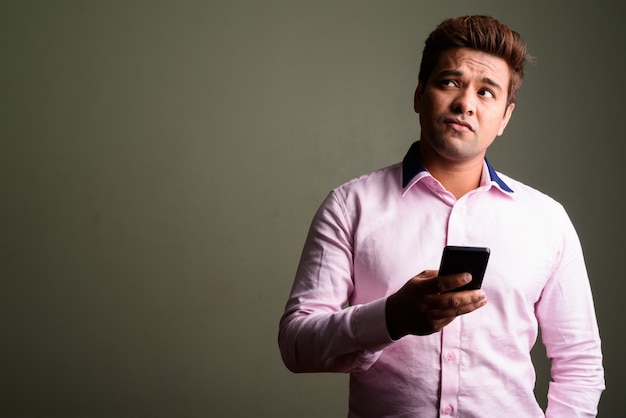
<point x="450" y="367"/>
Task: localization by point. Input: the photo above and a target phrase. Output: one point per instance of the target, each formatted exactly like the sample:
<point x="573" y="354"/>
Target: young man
<point x="413" y="349"/>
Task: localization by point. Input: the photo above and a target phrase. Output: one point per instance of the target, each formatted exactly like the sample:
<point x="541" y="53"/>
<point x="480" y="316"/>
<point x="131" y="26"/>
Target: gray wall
<point x="160" y="163"/>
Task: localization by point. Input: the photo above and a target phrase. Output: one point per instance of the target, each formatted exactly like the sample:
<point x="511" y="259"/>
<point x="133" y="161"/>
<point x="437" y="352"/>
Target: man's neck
<point x="457" y="177"/>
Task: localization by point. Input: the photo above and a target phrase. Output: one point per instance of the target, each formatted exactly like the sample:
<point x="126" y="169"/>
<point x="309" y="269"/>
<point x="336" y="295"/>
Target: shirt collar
<point x="412" y="166"/>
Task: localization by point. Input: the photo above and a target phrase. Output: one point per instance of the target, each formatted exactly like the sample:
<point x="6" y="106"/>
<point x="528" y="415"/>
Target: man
<point x="413" y="349"/>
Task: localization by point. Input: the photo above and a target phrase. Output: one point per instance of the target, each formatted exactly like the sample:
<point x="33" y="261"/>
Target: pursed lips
<point x="459" y="123"/>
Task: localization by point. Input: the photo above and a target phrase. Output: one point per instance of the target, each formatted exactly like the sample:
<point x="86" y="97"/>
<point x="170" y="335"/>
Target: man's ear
<point x="417" y="98"/>
<point x="507" y="116"/>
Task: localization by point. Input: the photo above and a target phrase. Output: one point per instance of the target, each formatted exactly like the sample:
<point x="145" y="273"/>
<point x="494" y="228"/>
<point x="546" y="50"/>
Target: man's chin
<point x="456" y="149"/>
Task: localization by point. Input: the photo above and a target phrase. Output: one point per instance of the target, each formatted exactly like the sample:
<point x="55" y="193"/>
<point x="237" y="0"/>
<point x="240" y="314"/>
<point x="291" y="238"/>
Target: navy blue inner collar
<point x="412" y="166"/>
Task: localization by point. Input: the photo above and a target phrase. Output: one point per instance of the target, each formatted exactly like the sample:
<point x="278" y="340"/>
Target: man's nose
<point x="464" y="103"/>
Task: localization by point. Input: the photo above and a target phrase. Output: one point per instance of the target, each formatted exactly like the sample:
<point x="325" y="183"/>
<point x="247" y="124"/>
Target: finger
<point x="443" y="284"/>
<point x="453" y="305"/>
<point x="427" y="274"/>
<point x="440" y="324"/>
<point x="478" y="301"/>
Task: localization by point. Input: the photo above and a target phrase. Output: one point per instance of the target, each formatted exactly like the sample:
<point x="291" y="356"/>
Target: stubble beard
<point x="453" y="147"/>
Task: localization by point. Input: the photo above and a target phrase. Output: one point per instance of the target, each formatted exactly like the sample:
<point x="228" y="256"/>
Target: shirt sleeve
<point x="569" y="328"/>
<point x="318" y="330"/>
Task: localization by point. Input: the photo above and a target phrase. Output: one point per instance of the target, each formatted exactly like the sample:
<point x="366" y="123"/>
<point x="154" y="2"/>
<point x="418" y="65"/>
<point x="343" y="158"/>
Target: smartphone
<point x="471" y="260"/>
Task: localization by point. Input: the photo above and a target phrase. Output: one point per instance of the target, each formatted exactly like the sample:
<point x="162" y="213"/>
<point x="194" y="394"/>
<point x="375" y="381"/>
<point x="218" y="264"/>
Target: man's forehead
<point x="466" y="61"/>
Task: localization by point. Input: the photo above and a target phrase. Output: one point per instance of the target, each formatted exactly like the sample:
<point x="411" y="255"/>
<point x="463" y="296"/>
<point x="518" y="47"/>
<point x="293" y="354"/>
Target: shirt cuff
<point x="370" y="325"/>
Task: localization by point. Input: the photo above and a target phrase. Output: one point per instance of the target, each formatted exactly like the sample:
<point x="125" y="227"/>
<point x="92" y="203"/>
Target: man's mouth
<point x="458" y="124"/>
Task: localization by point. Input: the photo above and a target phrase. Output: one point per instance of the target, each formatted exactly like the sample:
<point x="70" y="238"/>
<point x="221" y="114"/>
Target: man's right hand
<point x="423" y="307"/>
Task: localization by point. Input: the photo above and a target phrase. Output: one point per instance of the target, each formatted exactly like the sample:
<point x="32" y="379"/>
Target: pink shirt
<point x="377" y="231"/>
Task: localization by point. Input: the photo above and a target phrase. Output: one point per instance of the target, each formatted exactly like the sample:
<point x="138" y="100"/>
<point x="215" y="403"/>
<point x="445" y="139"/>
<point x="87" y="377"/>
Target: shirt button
<point x="450" y="356"/>
<point x="447" y="410"/>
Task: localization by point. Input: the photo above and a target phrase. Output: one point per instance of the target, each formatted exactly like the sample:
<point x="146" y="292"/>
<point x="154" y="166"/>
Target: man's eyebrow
<point x="458" y="73"/>
<point x="491" y="82"/>
<point x="454" y="73"/>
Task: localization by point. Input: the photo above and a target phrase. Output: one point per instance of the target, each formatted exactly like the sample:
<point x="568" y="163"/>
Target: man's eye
<point x="448" y="83"/>
<point x="486" y="93"/>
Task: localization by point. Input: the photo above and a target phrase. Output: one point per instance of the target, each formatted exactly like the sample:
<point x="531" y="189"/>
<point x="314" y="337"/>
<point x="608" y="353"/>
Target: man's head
<point x="482" y="33"/>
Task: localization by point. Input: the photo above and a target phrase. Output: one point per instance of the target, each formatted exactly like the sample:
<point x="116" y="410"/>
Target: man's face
<point x="463" y="105"/>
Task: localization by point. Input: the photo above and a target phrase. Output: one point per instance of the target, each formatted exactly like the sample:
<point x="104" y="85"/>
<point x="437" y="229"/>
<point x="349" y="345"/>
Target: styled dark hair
<point x="483" y="33"/>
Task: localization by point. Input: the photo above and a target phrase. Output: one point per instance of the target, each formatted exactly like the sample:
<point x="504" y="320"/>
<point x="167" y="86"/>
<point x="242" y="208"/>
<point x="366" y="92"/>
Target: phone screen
<point x="471" y="260"/>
